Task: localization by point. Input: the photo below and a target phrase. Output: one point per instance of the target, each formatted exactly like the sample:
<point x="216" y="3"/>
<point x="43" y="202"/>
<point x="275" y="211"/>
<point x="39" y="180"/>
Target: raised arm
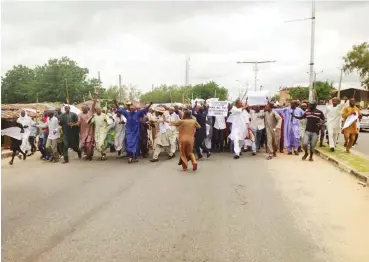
<point x="299" y="117"/>
<point x="93" y="107"/>
<point x="175" y="123"/>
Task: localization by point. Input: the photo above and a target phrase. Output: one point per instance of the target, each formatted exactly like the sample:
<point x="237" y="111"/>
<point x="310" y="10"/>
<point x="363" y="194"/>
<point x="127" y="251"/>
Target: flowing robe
<point x="25" y="121"/>
<point x="133" y="129"/>
<point x="272" y="121"/>
<point x="186" y="129"/>
<point x="120" y="131"/>
<point x="86" y="133"/>
<point x="239" y="130"/>
<point x="291" y="127"/>
<point x="70" y="134"/>
<point x="102" y="123"/>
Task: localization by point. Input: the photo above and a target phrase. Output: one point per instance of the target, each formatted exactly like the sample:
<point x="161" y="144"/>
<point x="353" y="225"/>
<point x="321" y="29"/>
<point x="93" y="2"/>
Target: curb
<point x="359" y="175"/>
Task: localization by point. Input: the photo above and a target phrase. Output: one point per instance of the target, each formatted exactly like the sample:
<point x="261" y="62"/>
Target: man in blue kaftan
<point x="291" y="126"/>
<point x="133" y="130"/>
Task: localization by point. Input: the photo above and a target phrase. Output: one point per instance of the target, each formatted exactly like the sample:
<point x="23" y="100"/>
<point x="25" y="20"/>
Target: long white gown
<point x="120" y="132"/>
<point x="239" y="119"/>
<point x="25" y="121"/>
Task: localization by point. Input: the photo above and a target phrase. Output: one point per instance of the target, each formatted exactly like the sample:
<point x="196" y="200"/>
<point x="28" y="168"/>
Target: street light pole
<point x="256" y="69"/>
<point x="312" y="47"/>
<point x="312" y="51"/>
<point x="339" y="85"/>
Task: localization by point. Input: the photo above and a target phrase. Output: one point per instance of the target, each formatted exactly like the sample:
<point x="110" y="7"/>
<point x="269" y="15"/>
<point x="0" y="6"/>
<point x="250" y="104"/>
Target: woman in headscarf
<point x="26" y="123"/>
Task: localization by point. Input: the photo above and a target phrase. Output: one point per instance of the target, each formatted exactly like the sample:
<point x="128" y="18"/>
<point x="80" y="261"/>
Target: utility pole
<point x="339" y="85"/>
<point x="152" y="87"/>
<point x="312" y="47"/>
<point x="312" y="50"/>
<point x="215" y="93"/>
<point x="256" y="69"/>
<point x="187" y="73"/>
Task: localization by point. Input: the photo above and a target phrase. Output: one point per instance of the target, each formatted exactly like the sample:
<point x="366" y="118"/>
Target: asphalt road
<point x="362" y="145"/>
<point x="229" y="210"/>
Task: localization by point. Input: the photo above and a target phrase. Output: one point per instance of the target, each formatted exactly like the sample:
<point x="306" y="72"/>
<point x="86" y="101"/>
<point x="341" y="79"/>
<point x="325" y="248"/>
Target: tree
<point x="323" y="90"/>
<point x="54" y="77"/>
<point x="48" y="83"/>
<point x="358" y="60"/>
<point x="168" y="94"/>
<point x="134" y="94"/>
<point x="299" y="93"/>
<point x="17" y="85"/>
<point x="115" y="93"/>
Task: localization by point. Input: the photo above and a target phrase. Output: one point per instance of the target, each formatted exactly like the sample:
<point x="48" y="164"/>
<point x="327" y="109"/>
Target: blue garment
<point x="291" y="127"/>
<point x="133" y="130"/>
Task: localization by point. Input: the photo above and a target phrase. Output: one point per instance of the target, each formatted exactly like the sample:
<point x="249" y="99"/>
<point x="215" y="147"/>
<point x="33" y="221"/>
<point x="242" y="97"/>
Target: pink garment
<point x="86" y="132"/>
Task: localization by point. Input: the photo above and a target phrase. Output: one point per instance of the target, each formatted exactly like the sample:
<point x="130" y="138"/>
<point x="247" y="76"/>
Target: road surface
<point x="229" y="210"/>
<point x="362" y="143"/>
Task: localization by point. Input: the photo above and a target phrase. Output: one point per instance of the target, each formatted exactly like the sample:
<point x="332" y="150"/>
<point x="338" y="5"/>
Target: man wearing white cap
<point x="162" y="139"/>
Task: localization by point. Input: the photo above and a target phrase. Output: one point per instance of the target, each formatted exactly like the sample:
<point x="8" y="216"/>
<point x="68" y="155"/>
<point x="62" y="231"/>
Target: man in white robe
<point x="162" y="139"/>
<point x="173" y="137"/>
<point x="120" y="131"/>
<point x="239" y="119"/>
<point x="26" y="122"/>
<point x="334" y="121"/>
<point x="102" y="123"/>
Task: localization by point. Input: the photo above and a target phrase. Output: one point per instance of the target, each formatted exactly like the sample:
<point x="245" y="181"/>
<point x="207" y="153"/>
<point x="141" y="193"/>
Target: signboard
<point x="257" y="98"/>
<point x="218" y="108"/>
<point x="350" y="120"/>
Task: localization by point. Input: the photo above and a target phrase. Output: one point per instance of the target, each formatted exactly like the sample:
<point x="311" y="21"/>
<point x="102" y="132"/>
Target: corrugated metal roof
<point x="39" y="106"/>
<point x="13" y="114"/>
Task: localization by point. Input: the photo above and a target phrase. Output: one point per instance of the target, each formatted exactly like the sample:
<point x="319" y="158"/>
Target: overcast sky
<point x="147" y="42"/>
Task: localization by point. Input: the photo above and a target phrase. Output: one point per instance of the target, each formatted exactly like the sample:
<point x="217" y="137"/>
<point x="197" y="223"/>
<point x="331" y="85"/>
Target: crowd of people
<point x="131" y="131"/>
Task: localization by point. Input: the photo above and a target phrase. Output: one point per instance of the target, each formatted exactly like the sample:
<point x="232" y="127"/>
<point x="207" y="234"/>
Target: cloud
<point x="147" y="42"/>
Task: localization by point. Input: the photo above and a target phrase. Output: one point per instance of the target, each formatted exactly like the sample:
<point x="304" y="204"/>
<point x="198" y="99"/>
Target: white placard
<point x="257" y="98"/>
<point x="218" y="108"/>
<point x="350" y="120"/>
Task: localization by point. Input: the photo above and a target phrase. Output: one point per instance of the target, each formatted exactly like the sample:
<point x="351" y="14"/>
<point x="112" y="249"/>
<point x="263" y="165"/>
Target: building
<point x="357" y="91"/>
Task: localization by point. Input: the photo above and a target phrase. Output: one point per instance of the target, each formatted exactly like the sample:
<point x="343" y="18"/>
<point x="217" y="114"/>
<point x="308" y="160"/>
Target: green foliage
<point x="48" y="83"/>
<point x="323" y="90"/>
<point x="130" y="93"/>
<point x="114" y="93"/>
<point x="299" y="93"/>
<point x="133" y="93"/>
<point x="168" y="94"/>
<point x="358" y="59"/>
<point x="17" y="85"/>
